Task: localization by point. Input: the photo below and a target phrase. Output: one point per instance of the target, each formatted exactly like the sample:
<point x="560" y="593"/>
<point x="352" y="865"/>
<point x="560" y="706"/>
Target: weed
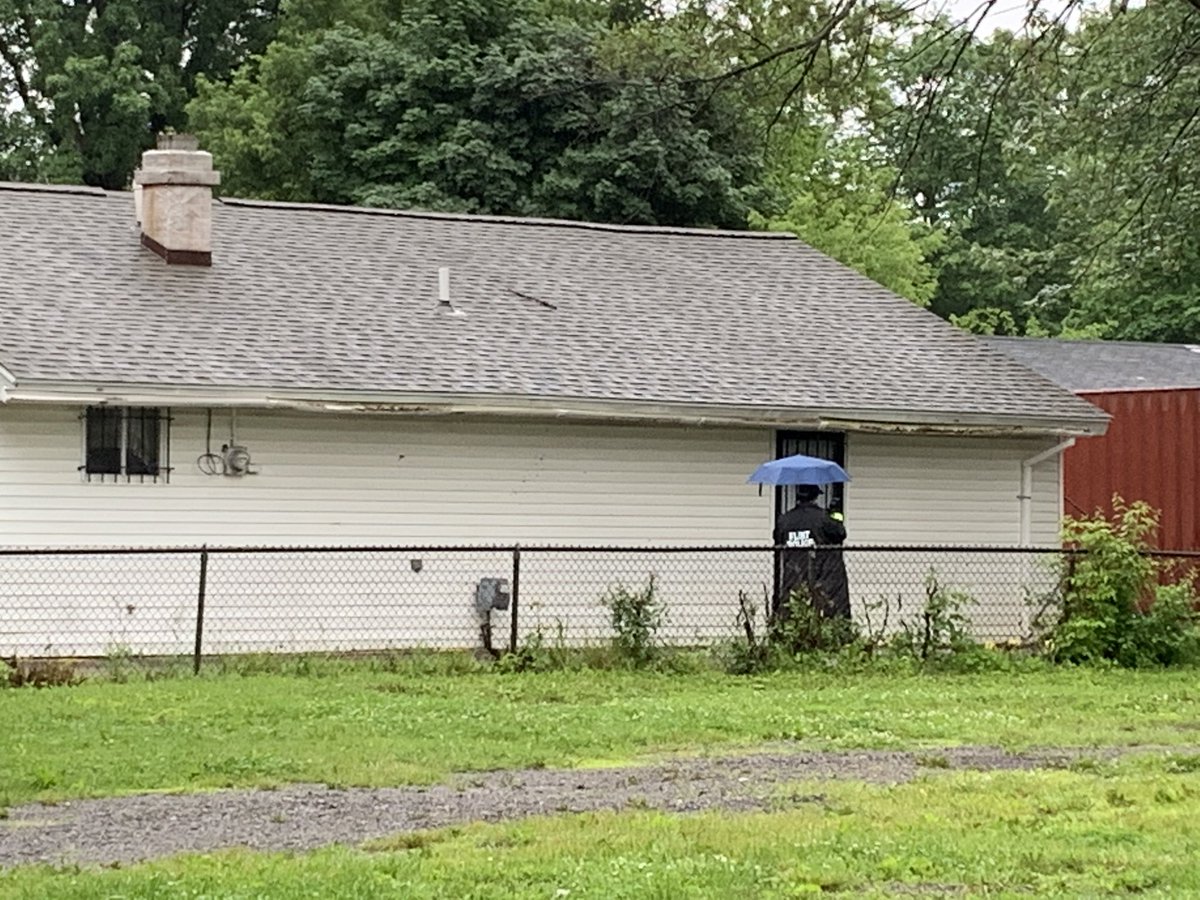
<point x="750" y="656"/>
<point x="942" y="628"/>
<point x="410" y="840"/>
<point x="118" y="664"/>
<point x="802" y="638"/>
<point x="1118" y="798"/>
<point x="933" y="761"/>
<point x="535" y="653"/>
<point x="636" y="616"/>
<point x="801" y="626"/>
<point x="1183" y="763"/>
<point x="41" y="673"/>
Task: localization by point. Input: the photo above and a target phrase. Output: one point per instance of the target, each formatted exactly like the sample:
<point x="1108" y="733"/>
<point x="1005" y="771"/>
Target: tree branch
<point x="19" y="81"/>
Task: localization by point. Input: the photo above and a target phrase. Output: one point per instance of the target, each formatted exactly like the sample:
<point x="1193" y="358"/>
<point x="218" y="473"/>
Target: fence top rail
<point x="550" y="549"/>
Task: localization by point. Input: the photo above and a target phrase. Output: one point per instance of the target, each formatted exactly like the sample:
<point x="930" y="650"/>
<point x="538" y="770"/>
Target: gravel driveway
<point x="302" y="817"/>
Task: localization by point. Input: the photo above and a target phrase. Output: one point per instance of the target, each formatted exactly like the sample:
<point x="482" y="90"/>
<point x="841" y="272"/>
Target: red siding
<point x="1149" y="453"/>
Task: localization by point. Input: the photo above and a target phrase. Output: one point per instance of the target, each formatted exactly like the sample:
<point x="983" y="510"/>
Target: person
<point x="812" y="560"/>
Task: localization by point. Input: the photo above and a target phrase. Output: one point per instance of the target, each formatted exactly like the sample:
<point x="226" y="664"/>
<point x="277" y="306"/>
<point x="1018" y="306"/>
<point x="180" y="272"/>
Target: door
<point x="822" y="444"/>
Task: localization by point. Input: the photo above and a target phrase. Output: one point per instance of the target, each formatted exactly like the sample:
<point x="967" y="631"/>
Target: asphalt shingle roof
<point x="1106" y="365"/>
<point x="306" y="297"/>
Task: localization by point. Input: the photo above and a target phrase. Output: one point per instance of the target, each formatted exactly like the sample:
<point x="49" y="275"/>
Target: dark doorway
<point x="822" y="444"/>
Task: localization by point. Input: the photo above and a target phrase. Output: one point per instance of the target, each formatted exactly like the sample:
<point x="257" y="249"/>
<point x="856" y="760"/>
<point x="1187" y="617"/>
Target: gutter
<point x="441" y="404"/>
<point x="1026" y="495"/>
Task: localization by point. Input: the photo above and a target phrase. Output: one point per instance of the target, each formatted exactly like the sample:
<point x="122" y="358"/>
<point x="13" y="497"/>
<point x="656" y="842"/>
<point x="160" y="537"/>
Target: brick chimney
<point x="172" y="195"/>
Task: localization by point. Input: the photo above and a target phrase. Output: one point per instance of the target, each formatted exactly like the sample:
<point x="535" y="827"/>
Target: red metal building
<point x="1151" y="451"/>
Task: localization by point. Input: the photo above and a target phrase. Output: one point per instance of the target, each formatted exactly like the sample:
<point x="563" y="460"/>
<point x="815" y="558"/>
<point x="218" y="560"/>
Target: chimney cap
<point x="170" y="141"/>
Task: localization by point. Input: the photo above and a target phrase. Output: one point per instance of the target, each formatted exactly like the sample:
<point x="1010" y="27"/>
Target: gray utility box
<point x="491" y="593"/>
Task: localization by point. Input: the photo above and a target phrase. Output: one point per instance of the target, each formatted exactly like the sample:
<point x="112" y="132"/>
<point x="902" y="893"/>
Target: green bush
<point x="1113" y="608"/>
<point x="636" y="616"/>
<point x="799" y="637"/>
<point x="802" y="628"/>
<point x="793" y="637"/>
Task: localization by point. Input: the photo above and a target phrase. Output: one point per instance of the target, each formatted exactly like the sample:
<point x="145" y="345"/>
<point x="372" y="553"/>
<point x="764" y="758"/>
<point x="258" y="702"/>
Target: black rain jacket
<point x="809" y="562"/>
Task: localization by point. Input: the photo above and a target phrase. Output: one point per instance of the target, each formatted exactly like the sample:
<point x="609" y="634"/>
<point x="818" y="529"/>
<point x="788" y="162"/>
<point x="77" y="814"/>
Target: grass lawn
<point x="354" y="726"/>
<point x="1099" y="829"/>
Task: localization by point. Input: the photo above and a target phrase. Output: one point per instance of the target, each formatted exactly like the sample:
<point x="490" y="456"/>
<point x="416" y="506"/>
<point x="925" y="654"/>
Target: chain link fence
<point x="219" y="601"/>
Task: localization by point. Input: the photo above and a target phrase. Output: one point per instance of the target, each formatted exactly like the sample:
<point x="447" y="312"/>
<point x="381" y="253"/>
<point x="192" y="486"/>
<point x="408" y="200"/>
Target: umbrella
<point x="799" y="469"/>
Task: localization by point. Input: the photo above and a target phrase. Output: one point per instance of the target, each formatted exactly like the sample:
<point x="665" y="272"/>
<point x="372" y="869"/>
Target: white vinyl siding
<point x="391" y="480"/>
<point x="934" y="490"/>
<point x="381" y="479"/>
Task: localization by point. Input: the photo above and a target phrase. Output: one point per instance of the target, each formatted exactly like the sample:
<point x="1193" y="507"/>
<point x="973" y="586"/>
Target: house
<point x="1151" y="451"/>
<point x="179" y="370"/>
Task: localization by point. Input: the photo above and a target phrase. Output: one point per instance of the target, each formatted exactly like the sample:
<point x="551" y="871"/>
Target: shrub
<point x="802" y="628"/>
<point x="636" y="617"/>
<point x="797" y="631"/>
<point x="1113" y="608"/>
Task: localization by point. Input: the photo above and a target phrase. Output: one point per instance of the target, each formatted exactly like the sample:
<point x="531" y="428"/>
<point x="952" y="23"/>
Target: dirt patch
<point x="303" y="817"/>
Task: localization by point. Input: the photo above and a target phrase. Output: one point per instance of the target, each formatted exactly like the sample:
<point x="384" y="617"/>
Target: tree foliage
<point x="977" y="168"/>
<point x="485" y="106"/>
<point x="84" y="86"/>
<point x="838" y="201"/>
<point x="1131" y="173"/>
<point x="1039" y="180"/>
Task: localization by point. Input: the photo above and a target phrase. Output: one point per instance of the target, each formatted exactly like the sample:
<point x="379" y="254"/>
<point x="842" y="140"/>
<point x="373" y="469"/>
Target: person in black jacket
<point x="812" y="562"/>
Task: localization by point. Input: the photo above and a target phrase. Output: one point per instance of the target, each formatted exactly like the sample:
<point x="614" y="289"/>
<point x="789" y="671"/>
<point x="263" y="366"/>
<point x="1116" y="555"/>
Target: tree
<point x="980" y="168"/>
<point x="1131" y="176"/>
<point x="484" y="106"/>
<point x="1060" y="161"/>
<point x="85" y="86"/>
<point x="840" y="203"/>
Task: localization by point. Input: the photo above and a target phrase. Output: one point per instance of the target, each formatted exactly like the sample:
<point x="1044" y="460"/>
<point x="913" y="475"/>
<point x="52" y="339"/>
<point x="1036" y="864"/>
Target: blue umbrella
<point x="799" y="469"/>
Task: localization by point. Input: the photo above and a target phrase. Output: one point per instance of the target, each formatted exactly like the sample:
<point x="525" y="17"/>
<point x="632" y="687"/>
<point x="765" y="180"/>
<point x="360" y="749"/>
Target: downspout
<point x="1026" y="495"/>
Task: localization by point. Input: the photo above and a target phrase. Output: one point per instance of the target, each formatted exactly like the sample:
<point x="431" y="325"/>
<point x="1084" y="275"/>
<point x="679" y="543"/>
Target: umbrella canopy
<point x="799" y="469"/>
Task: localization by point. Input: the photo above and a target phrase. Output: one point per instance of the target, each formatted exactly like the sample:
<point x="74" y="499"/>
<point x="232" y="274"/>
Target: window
<point x="822" y="444"/>
<point x="125" y="443"/>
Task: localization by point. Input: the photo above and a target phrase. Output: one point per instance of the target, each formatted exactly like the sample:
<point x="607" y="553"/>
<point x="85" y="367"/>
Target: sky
<point x="1008" y="15"/>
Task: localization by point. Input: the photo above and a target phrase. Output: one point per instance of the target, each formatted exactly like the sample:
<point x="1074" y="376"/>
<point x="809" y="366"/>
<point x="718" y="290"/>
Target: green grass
<point x="1097" y="830"/>
<point x="359" y="727"/>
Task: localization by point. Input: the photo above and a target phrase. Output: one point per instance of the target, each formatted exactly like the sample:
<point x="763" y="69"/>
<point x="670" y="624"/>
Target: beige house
<point x="179" y="370"/>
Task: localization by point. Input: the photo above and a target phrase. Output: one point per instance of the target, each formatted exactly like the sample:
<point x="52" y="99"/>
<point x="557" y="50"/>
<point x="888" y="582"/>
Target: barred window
<point x="126" y="443"/>
<point x="823" y="444"/>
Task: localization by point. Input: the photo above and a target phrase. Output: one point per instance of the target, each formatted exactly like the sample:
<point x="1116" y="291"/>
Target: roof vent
<point x="173" y="200"/>
<point x="444" y="303"/>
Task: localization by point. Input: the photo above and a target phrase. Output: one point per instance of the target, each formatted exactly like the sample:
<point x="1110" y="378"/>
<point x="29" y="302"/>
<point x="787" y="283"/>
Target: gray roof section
<point x="327" y="298"/>
<point x="1106" y="365"/>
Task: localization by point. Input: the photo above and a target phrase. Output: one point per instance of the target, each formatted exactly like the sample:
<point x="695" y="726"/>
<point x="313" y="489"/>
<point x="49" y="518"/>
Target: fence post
<point x="200" y="610"/>
<point x="515" y="600"/>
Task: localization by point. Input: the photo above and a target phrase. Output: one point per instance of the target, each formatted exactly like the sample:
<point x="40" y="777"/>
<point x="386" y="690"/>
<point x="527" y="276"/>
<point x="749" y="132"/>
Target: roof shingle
<point x="1106" y="365"/>
<point x="306" y="297"/>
